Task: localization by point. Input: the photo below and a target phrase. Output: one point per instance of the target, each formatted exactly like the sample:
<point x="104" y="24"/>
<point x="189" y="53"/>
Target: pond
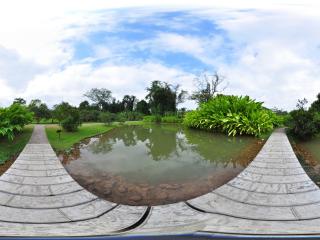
<point x="157" y="164"/>
<point x="308" y="153"/>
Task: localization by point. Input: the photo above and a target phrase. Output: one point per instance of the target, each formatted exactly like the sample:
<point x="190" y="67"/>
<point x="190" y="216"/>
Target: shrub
<point x="152" y="118"/>
<point x="171" y="119"/>
<point x="232" y="114"/>
<point x="133" y="116"/>
<point x="121" y="117"/>
<point x="304" y="124"/>
<point x="89" y="115"/>
<point x="68" y="116"/>
<point x="107" y="117"/>
<point x="13" y="119"/>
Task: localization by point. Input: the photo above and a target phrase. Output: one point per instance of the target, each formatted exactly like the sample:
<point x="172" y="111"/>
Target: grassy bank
<point x="67" y="139"/>
<point x="9" y="149"/>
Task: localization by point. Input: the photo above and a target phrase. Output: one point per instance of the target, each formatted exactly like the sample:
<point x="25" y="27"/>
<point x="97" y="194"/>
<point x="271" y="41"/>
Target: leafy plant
<point x="303" y="124"/>
<point x="13" y="119"/>
<point x="235" y="115"/>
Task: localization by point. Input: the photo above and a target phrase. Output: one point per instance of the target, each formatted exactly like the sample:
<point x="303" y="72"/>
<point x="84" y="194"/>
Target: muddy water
<point x="157" y="164"/>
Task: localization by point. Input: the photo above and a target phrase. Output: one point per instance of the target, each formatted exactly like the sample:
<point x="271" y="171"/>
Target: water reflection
<point x="150" y="162"/>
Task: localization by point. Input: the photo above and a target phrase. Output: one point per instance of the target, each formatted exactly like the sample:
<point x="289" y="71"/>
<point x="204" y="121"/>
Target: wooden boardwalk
<point x="273" y="195"/>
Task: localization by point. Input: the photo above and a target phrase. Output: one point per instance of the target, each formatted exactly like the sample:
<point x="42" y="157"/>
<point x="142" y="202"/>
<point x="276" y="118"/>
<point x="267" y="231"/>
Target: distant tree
<point x="85" y="105"/>
<point x="20" y="101"/>
<point x="129" y="102"/>
<point x="163" y="97"/>
<point x="102" y="97"/>
<point x="115" y="106"/>
<point x="39" y="109"/>
<point x="207" y="87"/>
<point x="143" y="107"/>
<point x="279" y="111"/>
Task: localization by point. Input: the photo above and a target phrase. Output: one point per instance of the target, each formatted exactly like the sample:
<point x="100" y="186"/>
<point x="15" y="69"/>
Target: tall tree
<point x="207" y="86"/>
<point x="100" y="96"/>
<point x="164" y="97"/>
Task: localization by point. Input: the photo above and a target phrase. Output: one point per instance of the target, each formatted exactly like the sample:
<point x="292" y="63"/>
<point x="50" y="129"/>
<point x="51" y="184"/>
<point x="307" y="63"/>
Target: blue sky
<point x="62" y="49"/>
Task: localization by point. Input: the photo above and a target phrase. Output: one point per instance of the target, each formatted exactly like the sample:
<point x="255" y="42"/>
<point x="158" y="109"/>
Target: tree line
<point x="162" y="99"/>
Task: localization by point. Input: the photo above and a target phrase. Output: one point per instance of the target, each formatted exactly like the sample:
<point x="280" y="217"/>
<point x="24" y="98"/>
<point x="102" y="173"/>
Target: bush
<point x="232" y="114"/>
<point x="152" y="118"/>
<point x="13" y="119"/>
<point x="304" y="124"/>
<point x="133" y="116"/>
<point x="68" y="116"/>
<point x="171" y="119"/>
<point x="88" y="115"/>
<point x="107" y="117"/>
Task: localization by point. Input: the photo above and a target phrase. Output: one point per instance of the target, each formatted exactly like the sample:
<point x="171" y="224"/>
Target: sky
<point x="58" y="50"/>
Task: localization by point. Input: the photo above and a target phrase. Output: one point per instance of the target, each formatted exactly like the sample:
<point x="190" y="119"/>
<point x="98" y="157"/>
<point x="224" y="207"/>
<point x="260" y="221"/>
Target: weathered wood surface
<point x="273" y="195"/>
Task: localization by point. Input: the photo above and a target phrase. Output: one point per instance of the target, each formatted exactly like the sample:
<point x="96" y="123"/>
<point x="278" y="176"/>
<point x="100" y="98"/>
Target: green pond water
<point x="155" y="164"/>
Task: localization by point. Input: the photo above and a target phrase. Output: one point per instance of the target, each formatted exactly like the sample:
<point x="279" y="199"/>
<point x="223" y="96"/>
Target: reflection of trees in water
<point x="220" y="150"/>
<point x="161" y="143"/>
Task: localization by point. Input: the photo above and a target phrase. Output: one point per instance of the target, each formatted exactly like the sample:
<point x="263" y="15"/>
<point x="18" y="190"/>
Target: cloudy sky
<point x="57" y="50"/>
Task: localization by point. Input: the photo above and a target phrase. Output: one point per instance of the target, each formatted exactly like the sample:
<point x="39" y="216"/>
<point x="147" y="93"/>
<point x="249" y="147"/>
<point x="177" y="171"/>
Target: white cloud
<point x="275" y="55"/>
<point x="121" y="80"/>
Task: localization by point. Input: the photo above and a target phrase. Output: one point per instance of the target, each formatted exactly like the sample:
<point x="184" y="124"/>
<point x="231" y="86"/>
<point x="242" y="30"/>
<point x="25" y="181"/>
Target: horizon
<point x="58" y="51"/>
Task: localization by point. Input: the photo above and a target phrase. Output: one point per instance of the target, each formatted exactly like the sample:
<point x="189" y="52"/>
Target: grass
<point x="69" y="138"/>
<point x="9" y="149"/>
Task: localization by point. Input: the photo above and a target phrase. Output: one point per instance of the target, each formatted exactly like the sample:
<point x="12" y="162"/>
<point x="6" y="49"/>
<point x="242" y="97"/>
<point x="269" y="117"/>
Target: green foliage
<point x="39" y="109"/>
<point x="121" y="117"/>
<point x="165" y="119"/>
<point x="171" y="119"/>
<point x="68" y="116"/>
<point x="303" y="124"/>
<point x="69" y="138"/>
<point x="164" y="97"/>
<point x="107" y="117"/>
<point x="10" y="148"/>
<point x="13" y="119"/>
<point x="152" y="118"/>
<point x="232" y="114"/>
<point x="143" y="107"/>
<point x="89" y="115"/>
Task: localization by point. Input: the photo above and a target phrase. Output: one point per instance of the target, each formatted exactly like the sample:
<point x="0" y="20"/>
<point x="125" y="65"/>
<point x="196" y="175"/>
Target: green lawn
<point x="9" y="148"/>
<point x="69" y="138"/>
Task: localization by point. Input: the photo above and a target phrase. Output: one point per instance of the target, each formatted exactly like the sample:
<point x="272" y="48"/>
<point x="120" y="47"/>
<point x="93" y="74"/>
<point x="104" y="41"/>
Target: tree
<point x="68" y="116"/>
<point x="143" y="107"/>
<point x="100" y="96"/>
<point x="39" y="109"/>
<point x="20" y="101"/>
<point x="129" y="102"/>
<point x="208" y="86"/>
<point x="84" y="105"/>
<point x="315" y="106"/>
<point x="164" y="97"/>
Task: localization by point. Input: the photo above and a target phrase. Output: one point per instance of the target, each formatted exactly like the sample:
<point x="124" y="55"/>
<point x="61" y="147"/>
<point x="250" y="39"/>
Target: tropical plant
<point x="13" y="119"/>
<point x="235" y="115"/>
